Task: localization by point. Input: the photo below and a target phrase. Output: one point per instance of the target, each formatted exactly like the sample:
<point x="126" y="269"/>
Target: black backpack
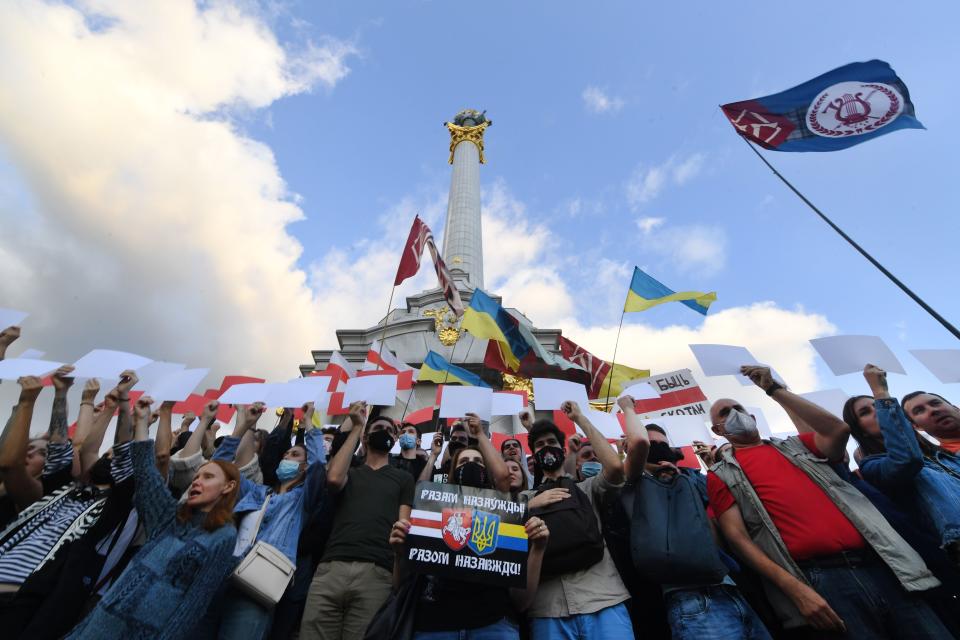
<point x="670" y="537"/>
<point x="575" y="539"/>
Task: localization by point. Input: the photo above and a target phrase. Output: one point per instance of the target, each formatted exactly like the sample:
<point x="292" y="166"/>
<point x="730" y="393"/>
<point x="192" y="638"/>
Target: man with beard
<point x="672" y="539"/>
<point x="354" y="576"/>
<point x="936" y="416"/>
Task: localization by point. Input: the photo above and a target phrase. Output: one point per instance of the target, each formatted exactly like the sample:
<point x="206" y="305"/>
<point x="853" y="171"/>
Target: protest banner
<point x="473" y="535"/>
<point x="680" y="394"/>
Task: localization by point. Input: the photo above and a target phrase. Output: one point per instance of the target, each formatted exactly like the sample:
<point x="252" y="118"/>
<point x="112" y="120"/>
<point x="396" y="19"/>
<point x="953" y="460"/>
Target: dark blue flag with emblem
<point x="834" y="111"/>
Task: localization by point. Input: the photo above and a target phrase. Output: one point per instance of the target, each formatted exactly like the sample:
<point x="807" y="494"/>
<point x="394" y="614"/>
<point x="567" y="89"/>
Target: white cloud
<point x="597" y="100"/>
<point x="157" y="226"/>
<point x="647" y="182"/>
<point x="646" y="225"/>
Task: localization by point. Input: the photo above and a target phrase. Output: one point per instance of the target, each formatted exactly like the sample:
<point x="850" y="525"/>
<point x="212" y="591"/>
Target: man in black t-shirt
<point x="409" y="459"/>
<point x="355" y="574"/>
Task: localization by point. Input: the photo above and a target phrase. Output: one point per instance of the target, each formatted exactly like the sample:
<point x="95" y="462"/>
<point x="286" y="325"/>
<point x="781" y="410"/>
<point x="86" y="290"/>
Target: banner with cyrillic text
<point x="474" y="535"/>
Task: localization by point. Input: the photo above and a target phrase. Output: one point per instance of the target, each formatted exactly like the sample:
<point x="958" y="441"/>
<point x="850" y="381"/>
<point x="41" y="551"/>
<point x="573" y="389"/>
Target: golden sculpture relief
<point x="445" y="324"/>
<point x="460" y="134"/>
<point x="518" y="383"/>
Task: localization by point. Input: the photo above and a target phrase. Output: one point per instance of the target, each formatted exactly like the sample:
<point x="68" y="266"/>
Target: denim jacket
<point x="931" y="484"/>
<point x="288" y="512"/>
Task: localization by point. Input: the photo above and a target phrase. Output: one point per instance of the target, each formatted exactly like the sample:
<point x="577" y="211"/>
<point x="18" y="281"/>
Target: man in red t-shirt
<point x="846" y="586"/>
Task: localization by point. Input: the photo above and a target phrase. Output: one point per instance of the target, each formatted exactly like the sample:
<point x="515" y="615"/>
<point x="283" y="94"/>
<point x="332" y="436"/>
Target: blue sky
<point x="529" y="63"/>
<point x="152" y="156"/>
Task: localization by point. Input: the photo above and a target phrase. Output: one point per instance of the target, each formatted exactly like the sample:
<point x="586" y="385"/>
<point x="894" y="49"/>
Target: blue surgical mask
<point x="287" y="470"/>
<point x="408" y="441"/>
<point x="590" y="469"/>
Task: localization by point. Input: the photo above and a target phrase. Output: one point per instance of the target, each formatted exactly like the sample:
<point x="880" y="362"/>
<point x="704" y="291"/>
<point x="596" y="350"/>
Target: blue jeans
<point x="712" y="613"/>
<point x="234" y="616"/>
<point x="502" y="630"/>
<point x="873" y="605"/>
<point x="612" y="623"/>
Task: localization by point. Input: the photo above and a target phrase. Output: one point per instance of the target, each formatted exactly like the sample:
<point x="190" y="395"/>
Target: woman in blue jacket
<point x="916" y="474"/>
<point x="165" y="590"/>
<point x="297" y="492"/>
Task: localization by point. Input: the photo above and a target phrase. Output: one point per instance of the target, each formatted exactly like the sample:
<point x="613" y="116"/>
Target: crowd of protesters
<point x="770" y="538"/>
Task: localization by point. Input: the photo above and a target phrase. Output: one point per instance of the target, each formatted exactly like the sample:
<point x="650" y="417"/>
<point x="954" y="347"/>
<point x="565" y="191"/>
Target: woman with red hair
<point x="166" y="588"/>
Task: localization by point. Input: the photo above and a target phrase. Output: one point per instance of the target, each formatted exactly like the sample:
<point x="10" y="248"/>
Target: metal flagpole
<point x="943" y="321"/>
<point x="386" y="321"/>
<point x="613" y="363"/>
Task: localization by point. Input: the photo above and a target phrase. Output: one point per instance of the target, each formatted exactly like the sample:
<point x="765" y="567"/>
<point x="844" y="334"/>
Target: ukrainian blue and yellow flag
<point x="645" y="292"/>
<point x="484" y="318"/>
<point x="436" y="369"/>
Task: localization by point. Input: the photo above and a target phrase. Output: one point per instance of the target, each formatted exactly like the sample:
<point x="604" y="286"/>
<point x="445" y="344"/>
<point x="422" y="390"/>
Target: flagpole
<point x="613" y="363"/>
<point x="949" y="327"/>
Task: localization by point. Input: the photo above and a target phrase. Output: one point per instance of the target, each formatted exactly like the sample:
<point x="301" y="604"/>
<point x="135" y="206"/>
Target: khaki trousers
<point x="343" y="598"/>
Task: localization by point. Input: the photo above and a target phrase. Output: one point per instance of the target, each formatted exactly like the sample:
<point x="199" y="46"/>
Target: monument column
<point x="462" y="234"/>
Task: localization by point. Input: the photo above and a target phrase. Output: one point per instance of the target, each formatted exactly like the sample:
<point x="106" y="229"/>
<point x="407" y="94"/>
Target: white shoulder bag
<point x="264" y="572"/>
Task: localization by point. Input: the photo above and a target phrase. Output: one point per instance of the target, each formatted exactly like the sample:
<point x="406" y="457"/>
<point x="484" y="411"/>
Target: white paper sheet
<point x="458" y="401"/>
<point x="374" y="390"/>
<point x="850" y="354"/>
<point x="830" y="399"/>
<point x="13" y="368"/>
<point x="639" y="391"/>
<point x="762" y="424"/>
<point x="943" y="363"/>
<point x="606" y="423"/>
<point x="747" y="382"/>
<point x="104" y="363"/>
<point x="176" y="385"/>
<point x="34" y="354"/>
<point x="247" y="393"/>
<point x="550" y="394"/>
<point x="154" y="372"/>
<point x="297" y="393"/>
<point x="722" y="359"/>
<point x="683" y="430"/>
<point x="11" y="318"/>
<point x="506" y="404"/>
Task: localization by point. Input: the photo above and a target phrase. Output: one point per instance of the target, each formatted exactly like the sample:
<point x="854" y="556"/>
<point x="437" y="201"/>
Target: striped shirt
<point x="34" y="538"/>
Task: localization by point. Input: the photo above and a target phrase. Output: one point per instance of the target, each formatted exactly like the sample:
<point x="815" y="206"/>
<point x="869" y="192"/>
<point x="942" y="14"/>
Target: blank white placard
<point x="550" y="394"/>
<point x="506" y="404"/>
<point x="850" y="354"/>
<point x="374" y="390"/>
<point x="11" y="318"/>
<point x="722" y="359"/>
<point x="105" y="363"/>
<point x="683" y="430"/>
<point x="456" y="402"/>
<point x="943" y="363"/>
<point x="176" y="385"/>
<point x="830" y="399"/>
<point x="606" y="423"/>
<point x="14" y="368"/>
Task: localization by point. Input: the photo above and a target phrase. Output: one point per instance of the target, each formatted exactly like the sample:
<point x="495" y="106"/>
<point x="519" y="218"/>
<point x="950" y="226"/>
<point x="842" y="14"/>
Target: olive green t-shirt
<point x="367" y="507"/>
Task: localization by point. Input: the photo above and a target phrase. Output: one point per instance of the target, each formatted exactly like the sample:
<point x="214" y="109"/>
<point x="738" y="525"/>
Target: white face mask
<point x="741" y="425"/>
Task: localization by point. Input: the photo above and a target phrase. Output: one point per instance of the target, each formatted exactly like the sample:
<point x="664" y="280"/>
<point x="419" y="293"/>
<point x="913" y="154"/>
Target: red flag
<point x="413" y="250"/>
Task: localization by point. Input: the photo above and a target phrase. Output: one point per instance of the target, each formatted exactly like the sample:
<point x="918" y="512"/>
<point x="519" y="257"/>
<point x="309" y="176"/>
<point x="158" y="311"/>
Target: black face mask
<point x="471" y="474"/>
<point x="549" y="458"/>
<point x="380" y="441"/>
<point x="663" y="452"/>
<point x="454" y="446"/>
<point x="100" y="471"/>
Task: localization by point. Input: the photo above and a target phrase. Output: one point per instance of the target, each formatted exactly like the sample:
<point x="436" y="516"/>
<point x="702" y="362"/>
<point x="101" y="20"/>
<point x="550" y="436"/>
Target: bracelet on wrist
<point x="89" y="402"/>
<point x="776" y="386"/>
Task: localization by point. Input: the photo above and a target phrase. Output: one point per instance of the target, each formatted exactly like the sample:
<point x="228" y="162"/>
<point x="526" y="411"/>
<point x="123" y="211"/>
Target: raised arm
<point x="7" y="337"/>
<point x="91" y="441"/>
<point x="277" y="443"/>
<point x="810" y="603"/>
<point x="612" y="465"/>
<point x="155" y="506"/>
<point x="431" y="466"/>
<point x="124" y="420"/>
<point x="196" y="438"/>
<point x="638" y="441"/>
<point x="831" y="433"/>
<point x="164" y="438"/>
<point x="904" y="460"/>
<point x="13" y="446"/>
<point x="85" y="416"/>
<point x="58" y="413"/>
<point x="247" y="418"/>
<point x="339" y="466"/>
<point x="496" y="467"/>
